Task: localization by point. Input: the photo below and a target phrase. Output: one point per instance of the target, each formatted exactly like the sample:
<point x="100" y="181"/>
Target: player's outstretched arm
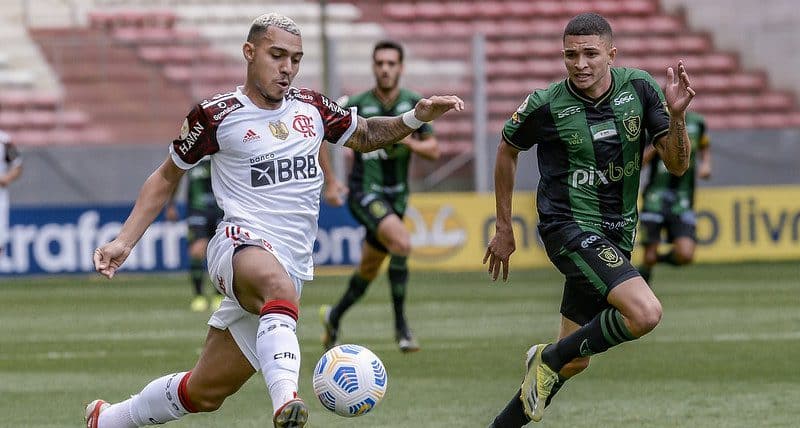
<point x="155" y="192"/>
<point x="675" y="147"/>
<point x="376" y="132"/>
<point x="502" y="244"/>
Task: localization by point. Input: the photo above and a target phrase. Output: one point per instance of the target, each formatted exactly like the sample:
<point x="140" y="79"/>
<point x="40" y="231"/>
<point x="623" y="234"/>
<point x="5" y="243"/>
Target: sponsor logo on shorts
<point x="589" y="241"/>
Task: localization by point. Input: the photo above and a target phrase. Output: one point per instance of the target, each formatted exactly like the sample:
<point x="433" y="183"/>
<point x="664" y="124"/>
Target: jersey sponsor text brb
<point x="265" y="168"/>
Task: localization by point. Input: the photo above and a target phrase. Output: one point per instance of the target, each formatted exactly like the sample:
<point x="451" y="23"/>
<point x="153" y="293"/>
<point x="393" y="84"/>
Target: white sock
<point x="279" y="356"/>
<point x="117" y="416"/>
<point x="156" y="404"/>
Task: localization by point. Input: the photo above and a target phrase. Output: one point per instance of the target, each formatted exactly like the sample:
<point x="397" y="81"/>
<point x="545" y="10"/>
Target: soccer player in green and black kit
<point x="590" y="130"/>
<point x="202" y="217"/>
<point x="378" y="194"/>
<point x="669" y="202"/>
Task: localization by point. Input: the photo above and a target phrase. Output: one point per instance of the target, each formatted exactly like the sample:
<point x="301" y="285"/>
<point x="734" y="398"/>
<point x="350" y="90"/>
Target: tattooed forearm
<point x="376" y="132"/>
<point x="675" y="148"/>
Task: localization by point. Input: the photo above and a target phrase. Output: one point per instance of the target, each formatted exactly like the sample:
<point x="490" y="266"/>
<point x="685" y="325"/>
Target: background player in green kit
<point x="669" y="202"/>
<point x="202" y="216"/>
<point x="590" y="131"/>
<point x="378" y="194"/>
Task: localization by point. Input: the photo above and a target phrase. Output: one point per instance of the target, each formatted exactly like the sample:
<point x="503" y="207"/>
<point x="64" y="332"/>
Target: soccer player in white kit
<point x="263" y="140"/>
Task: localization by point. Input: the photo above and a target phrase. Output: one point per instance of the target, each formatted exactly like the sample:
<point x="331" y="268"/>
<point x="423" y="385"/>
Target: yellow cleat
<point x="199" y="304"/>
<point x="538" y="383"/>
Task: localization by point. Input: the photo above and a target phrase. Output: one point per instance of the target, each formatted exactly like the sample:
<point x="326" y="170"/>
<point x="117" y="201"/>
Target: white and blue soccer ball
<point x="349" y="380"/>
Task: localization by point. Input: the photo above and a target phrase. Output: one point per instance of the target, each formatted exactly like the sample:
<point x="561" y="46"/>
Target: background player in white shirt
<point x="10" y="170"/>
<point x="263" y="140"/>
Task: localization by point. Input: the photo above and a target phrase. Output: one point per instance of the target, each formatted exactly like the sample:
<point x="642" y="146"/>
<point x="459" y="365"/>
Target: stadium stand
<point x="151" y="58"/>
<point x="32" y="106"/>
<point x="524" y="43"/>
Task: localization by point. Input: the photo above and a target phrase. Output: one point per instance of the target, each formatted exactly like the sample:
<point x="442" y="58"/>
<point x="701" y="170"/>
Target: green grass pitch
<point x="725" y="354"/>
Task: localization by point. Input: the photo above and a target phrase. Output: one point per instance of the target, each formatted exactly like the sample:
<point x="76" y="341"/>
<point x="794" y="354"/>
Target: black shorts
<point x="592" y="266"/>
<point x="202" y="223"/>
<point x="676" y="225"/>
<point x="369" y="209"/>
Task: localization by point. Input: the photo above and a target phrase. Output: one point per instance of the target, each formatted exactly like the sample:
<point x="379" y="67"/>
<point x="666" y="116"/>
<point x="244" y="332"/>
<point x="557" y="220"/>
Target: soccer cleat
<point x="293" y="414"/>
<point x="199" y="304"/>
<point x="216" y="301"/>
<point x="538" y="383"/>
<point x="93" y="411"/>
<point x="329" y="334"/>
<point x="405" y="340"/>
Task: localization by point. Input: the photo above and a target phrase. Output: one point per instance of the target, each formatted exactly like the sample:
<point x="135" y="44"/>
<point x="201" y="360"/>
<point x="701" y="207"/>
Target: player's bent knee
<point x="646" y="319"/>
<point x="400" y="247"/>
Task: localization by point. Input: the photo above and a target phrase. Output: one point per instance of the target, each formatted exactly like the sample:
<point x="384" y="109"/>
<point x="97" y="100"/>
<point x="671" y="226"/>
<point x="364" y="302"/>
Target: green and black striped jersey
<point x="590" y="153"/>
<point x="661" y="181"/>
<point x="199" y="193"/>
<point x="384" y="170"/>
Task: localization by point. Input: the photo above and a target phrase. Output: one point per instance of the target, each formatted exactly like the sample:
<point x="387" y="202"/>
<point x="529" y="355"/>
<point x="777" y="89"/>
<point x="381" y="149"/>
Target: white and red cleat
<point x="93" y="411"/>
<point x="293" y="414"/>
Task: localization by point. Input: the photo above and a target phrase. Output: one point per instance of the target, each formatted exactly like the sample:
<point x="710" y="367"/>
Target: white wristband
<point x="411" y="120"/>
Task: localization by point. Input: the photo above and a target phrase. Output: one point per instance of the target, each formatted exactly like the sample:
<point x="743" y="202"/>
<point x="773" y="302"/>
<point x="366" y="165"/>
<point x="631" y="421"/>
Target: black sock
<point x="398" y="278"/>
<point x="355" y="289"/>
<point x="605" y="330"/>
<point x="513" y="415"/>
<point x="196" y="273"/>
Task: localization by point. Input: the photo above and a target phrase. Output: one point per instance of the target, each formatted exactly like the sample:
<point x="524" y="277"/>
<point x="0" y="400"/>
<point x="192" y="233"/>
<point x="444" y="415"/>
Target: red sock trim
<point x="284" y="307"/>
<point x="183" y="396"/>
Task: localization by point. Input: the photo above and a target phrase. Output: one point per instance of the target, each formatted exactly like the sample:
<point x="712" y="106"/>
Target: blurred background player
<point x="10" y="170"/>
<point x="589" y="130"/>
<point x="202" y="217"/>
<point x="378" y="196"/>
<point x="669" y="202"/>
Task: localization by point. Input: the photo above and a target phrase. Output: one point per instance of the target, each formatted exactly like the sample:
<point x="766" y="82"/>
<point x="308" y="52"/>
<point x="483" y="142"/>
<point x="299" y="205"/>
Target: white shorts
<point x="231" y="316"/>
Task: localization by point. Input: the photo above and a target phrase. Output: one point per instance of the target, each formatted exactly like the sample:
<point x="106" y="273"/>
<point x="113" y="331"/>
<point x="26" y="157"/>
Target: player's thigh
<point x="221" y="369"/>
<point x="592" y="267"/>
<point x="392" y="233"/>
<point x="258" y="276"/>
<point x="371" y="260"/>
<point x="369" y="209"/>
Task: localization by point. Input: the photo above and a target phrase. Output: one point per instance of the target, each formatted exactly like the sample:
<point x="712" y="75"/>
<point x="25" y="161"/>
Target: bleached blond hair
<point x="260" y="25"/>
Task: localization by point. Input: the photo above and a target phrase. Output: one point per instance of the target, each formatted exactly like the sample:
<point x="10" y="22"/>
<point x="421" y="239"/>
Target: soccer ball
<point x="349" y="380"/>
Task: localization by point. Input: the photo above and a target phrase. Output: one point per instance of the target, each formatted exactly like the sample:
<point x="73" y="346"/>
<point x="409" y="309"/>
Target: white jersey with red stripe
<point x="265" y="171"/>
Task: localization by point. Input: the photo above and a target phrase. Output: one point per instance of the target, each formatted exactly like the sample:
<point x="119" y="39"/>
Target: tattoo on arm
<point x="376" y="132"/>
<point x="674" y="148"/>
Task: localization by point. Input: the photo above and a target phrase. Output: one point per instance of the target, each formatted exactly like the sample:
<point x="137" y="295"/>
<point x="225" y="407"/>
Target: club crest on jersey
<point x="633" y="125"/>
<point x="279" y="130"/>
<point x="610" y="257"/>
<point x="304" y="125"/>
